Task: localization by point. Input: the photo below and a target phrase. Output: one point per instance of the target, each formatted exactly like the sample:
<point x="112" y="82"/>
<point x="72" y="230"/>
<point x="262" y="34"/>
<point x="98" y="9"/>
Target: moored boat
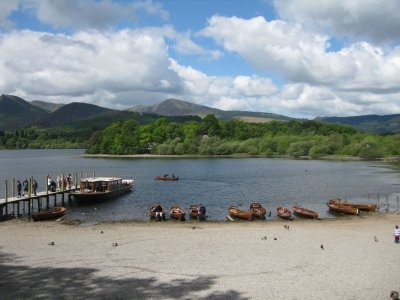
<point x="177" y="213"/>
<point x="157" y="213"/>
<point x="197" y="211"/>
<point x="304" y="212"/>
<point x="52" y="213"/>
<point x="360" y="206"/>
<point x="101" y="188"/>
<point x="166" y="177"/>
<point x="284" y="213"/>
<point x="258" y="210"/>
<point x="240" y="214"/>
<point x="339" y="206"/>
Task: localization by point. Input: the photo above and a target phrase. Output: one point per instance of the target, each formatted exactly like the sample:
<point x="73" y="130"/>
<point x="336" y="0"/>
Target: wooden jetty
<point x="16" y="206"/>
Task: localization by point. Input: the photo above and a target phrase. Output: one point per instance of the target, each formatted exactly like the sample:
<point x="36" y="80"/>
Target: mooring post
<point x="397" y="201"/>
<point x="13" y="188"/>
<point x="387" y="202"/>
<point x="5" y="191"/>
<point x="378" y="202"/>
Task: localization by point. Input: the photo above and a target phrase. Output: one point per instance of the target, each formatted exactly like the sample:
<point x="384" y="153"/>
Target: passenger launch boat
<point x="101" y="188"/>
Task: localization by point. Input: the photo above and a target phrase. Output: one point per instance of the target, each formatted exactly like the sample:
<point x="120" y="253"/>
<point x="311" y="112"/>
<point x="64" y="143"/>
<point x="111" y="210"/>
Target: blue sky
<point x="289" y="57"/>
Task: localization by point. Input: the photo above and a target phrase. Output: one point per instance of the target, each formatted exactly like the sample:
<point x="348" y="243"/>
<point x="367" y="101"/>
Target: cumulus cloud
<point x="302" y="56"/>
<point x="375" y="20"/>
<point x="6" y="8"/>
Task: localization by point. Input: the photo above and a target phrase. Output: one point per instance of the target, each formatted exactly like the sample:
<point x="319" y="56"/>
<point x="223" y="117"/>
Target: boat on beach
<point x="49" y="214"/>
<point x="284" y="213"/>
<point x="304" y="212"/>
<point x="197" y="211"/>
<point x="157" y="213"/>
<point x="96" y="189"/>
<point x="166" y="177"/>
<point x="360" y="206"/>
<point x="240" y="214"/>
<point x="339" y="206"/>
<point x="258" y="210"/>
<point x="177" y="213"/>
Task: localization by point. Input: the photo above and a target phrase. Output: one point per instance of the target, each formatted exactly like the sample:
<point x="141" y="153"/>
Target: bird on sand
<point x="115" y="244"/>
<point x="322" y="246"/>
<point x="275" y="239"/>
<point x="101" y="231"/>
<point x="264" y="238"/>
<point x="375" y="239"/>
<point x="51" y="244"/>
<point x="394" y="295"/>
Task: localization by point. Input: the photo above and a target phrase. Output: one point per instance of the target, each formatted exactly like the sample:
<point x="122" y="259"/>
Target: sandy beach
<point x="192" y="260"/>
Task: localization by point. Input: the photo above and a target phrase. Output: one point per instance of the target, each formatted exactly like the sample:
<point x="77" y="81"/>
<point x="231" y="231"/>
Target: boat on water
<point x="240" y="214"/>
<point x="304" y="212"/>
<point x="284" y="213"/>
<point x="258" y="210"/>
<point x="339" y="206"/>
<point x="197" y="211"/>
<point x="177" y="213"/>
<point x="101" y="188"/>
<point x="49" y="214"/>
<point x="167" y="177"/>
<point x="157" y="213"/>
<point x="360" y="206"/>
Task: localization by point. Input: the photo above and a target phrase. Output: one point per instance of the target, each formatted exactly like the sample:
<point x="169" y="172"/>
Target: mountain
<point x="175" y="107"/>
<point x="377" y="124"/>
<point x="74" y="112"/>
<point x="48" y="106"/>
<point x="15" y="112"/>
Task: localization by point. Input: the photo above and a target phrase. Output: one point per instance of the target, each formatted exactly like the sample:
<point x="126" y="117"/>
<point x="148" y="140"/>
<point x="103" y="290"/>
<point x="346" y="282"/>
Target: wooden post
<point x="94" y="174"/>
<point x="47" y="184"/>
<point x="397" y="200"/>
<point x="378" y="202"/>
<point x="6" y="197"/>
<point x="387" y="203"/>
<point x="13" y="188"/>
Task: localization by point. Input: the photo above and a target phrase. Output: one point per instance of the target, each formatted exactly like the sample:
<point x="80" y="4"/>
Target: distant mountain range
<point x="16" y="112"/>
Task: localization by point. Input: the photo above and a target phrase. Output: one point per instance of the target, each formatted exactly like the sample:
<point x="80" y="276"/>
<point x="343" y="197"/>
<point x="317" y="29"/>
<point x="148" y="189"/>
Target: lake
<point x="215" y="182"/>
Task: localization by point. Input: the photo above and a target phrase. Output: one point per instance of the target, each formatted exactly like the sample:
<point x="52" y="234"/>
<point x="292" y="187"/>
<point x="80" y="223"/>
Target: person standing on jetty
<point x="35" y="186"/>
<point x="25" y="185"/>
<point x="396" y="234"/>
<point x="19" y="188"/>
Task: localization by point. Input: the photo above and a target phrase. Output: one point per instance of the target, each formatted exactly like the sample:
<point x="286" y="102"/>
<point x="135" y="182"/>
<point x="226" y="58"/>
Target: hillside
<point x="175" y="107"/>
<point x="48" y="106"/>
<point x="368" y="123"/>
<point x="15" y="112"/>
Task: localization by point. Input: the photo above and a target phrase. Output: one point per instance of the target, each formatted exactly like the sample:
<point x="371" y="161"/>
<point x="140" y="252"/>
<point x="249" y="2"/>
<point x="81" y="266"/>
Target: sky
<point x="297" y="58"/>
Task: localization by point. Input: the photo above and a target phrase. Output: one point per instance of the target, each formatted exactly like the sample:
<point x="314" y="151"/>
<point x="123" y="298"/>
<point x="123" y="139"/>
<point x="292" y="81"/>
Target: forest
<point x="210" y="136"/>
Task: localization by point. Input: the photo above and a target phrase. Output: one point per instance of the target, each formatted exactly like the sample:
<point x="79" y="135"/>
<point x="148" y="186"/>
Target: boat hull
<point x="157" y="214"/>
<point x="305" y="213"/>
<point x="166" y="178"/>
<point x="195" y="212"/>
<point x="258" y="211"/>
<point x="100" y="196"/>
<point x="284" y="213"/>
<point x="177" y="213"/>
<point x="240" y="214"/>
<point x="52" y="213"/>
<point x="337" y="206"/>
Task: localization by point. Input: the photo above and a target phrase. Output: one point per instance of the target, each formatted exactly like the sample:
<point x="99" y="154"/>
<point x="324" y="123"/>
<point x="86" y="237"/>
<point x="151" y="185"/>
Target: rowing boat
<point x="339" y="206"/>
<point x="304" y="212"/>
<point x="284" y="213"/>
<point x="52" y="213"/>
<point x="240" y="214"/>
<point x="258" y="210"/>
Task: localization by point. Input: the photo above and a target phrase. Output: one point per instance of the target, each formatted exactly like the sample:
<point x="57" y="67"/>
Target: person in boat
<point x="396" y="234"/>
<point x="173" y="175"/>
<point x="166" y="175"/>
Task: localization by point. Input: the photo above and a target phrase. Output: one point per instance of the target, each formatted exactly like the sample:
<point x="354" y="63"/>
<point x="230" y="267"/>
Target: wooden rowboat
<point x="304" y="212"/>
<point x="197" y="211"/>
<point x="360" y="206"/>
<point x="338" y="206"/>
<point x="166" y="177"/>
<point x="240" y="214"/>
<point x="258" y="210"/>
<point x="284" y="213"/>
<point x="157" y="213"/>
<point x="177" y="213"/>
<point x="52" y="213"/>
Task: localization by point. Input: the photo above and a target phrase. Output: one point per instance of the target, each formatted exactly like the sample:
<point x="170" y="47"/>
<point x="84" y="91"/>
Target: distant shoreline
<point x="338" y="158"/>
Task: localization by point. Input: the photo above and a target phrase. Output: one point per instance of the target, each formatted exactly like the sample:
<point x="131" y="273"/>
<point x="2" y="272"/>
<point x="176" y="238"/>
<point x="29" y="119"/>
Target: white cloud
<point x="302" y="56"/>
<point x="376" y="20"/>
<point x="6" y="8"/>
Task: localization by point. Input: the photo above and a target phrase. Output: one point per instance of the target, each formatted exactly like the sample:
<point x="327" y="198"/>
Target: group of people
<point x="23" y="188"/>
<point x="54" y="186"/>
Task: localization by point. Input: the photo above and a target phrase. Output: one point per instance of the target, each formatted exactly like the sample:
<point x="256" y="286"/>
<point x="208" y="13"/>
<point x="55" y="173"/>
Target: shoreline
<point x="199" y="156"/>
<point x="343" y="258"/>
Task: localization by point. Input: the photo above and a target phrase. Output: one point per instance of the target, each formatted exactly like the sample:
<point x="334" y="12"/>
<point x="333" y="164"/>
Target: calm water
<point x="217" y="183"/>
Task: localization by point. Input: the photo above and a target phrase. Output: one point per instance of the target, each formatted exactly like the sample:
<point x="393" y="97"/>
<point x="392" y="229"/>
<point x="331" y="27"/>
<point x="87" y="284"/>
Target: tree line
<point x="211" y="136"/>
